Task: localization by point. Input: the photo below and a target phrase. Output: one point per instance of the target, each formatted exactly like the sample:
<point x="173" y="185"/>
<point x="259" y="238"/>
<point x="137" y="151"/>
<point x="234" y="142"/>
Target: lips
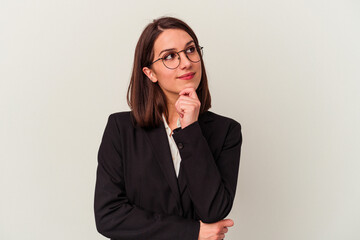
<point x="187" y="76"/>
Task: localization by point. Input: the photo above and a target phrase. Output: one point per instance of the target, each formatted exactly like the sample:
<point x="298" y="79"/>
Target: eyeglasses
<point x="172" y="60"/>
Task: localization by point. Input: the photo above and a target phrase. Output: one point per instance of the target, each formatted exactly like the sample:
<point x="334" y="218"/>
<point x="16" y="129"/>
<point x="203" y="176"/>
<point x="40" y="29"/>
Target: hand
<point x="188" y="107"/>
<point x="214" y="231"/>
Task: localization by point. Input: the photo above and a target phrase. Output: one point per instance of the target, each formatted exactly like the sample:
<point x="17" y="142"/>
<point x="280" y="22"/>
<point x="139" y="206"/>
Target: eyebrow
<point x="172" y="49"/>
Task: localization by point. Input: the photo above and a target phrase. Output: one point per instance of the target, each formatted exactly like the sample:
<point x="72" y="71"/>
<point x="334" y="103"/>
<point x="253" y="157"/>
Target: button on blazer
<point x="137" y="193"/>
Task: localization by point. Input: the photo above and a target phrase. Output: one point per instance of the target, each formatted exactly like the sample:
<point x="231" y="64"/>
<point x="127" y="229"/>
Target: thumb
<point x="227" y="222"/>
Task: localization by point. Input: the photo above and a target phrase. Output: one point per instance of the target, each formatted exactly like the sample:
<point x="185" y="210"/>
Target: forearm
<point x="211" y="182"/>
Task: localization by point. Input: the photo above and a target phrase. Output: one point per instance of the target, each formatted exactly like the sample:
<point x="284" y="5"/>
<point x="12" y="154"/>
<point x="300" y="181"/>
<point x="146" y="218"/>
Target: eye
<point x="191" y="49"/>
<point x="169" y="56"/>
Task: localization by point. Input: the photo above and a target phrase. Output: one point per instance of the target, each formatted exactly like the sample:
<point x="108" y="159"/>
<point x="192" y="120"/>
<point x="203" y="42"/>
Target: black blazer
<point x="137" y="193"/>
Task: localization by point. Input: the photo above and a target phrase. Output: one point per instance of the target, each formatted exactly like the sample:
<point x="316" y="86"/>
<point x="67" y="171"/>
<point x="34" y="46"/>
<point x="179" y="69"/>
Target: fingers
<point x="215" y="230"/>
<point x="191" y="92"/>
<point x="227" y="222"/>
<point x="224" y="230"/>
<point x="188" y="107"/>
<point x="186" y="104"/>
<point x="187" y="99"/>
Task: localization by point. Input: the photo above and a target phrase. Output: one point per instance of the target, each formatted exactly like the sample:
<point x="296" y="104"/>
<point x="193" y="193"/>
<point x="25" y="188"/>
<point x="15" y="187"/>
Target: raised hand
<point x="188" y="107"/>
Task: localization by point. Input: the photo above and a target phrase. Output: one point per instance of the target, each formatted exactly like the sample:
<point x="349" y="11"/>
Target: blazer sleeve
<point x="116" y="217"/>
<point x="211" y="182"/>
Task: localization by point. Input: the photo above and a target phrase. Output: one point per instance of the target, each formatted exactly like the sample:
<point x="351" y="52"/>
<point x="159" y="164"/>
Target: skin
<point x="182" y="100"/>
<point x="181" y="96"/>
<point x="214" y="231"/>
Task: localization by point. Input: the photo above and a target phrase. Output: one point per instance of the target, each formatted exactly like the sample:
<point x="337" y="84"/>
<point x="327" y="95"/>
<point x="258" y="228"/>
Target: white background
<point x="287" y="70"/>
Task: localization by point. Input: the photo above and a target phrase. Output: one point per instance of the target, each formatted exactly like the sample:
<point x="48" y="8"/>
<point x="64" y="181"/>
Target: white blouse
<point x="173" y="147"/>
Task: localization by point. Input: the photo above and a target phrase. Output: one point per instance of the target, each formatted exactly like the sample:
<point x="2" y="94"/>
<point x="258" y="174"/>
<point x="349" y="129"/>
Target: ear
<point x="150" y="74"/>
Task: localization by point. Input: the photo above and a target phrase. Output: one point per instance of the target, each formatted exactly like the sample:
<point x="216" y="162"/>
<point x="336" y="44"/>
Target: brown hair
<point x="145" y="98"/>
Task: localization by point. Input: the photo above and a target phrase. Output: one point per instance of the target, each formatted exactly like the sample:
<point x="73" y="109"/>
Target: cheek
<point x="199" y="71"/>
<point x="199" y="68"/>
<point x="164" y="74"/>
<point x="165" y="77"/>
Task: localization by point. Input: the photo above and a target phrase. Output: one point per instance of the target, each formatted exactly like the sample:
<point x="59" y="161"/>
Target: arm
<point x="116" y="217"/>
<point x="211" y="182"/>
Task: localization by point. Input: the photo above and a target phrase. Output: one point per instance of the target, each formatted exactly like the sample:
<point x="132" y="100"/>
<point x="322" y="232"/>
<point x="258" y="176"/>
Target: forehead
<point x="171" y="38"/>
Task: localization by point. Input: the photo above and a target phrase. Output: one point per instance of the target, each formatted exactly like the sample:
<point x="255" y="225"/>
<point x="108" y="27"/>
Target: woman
<point x="168" y="169"/>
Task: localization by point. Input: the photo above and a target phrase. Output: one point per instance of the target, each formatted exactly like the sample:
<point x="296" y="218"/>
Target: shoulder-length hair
<point x="145" y="98"/>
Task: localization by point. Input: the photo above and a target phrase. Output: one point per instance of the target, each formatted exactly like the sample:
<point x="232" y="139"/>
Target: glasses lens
<point x="172" y="63"/>
<point x="172" y="60"/>
<point x="193" y="54"/>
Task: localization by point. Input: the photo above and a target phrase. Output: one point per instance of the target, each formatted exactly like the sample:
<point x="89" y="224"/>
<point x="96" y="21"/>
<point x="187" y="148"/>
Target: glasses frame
<point x="198" y="48"/>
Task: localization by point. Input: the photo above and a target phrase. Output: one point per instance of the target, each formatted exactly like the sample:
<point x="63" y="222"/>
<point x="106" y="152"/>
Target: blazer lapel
<point x="160" y="145"/>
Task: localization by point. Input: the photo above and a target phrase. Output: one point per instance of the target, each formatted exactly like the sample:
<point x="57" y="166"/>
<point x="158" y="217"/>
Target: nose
<point x="184" y="61"/>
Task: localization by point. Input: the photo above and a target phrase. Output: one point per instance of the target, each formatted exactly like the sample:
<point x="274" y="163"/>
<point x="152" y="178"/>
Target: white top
<point x="173" y="147"/>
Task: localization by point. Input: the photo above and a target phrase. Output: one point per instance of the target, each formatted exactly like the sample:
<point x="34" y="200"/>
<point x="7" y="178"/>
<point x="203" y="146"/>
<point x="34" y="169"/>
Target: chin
<point x="194" y="85"/>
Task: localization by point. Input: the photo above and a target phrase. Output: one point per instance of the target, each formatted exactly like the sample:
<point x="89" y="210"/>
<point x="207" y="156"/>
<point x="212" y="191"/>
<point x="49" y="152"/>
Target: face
<point x="172" y="81"/>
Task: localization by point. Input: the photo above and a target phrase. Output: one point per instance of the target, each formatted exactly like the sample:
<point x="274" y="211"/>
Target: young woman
<point x="168" y="169"/>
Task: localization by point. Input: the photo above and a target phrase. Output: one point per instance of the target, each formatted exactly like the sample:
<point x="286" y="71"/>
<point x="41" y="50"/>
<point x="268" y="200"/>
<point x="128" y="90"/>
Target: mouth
<point x="187" y="76"/>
